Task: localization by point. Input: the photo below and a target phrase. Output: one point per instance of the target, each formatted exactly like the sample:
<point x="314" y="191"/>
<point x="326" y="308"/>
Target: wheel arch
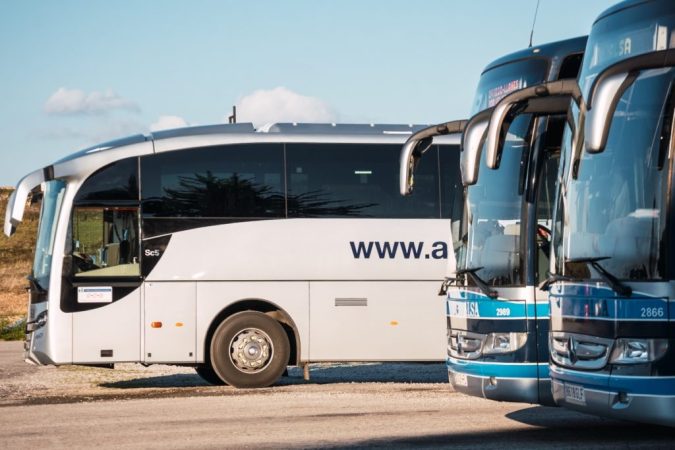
<point x="266" y="307"/>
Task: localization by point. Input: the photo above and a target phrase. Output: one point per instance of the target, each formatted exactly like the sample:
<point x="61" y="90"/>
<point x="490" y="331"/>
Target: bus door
<point x="101" y="286"/>
<point x="101" y="278"/>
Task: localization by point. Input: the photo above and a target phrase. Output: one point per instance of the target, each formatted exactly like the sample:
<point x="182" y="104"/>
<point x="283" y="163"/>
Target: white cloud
<point x="168" y="122"/>
<point x="75" y="101"/>
<point x="282" y="105"/>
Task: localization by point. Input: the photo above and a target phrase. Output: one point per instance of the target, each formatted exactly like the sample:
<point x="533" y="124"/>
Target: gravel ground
<point x="342" y="406"/>
<point x="25" y="384"/>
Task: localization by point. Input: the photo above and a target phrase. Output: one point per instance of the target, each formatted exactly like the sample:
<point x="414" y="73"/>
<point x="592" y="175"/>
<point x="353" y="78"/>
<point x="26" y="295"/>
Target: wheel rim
<point x="251" y="350"/>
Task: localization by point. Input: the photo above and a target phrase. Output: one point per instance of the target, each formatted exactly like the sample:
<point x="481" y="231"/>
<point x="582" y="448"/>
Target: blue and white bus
<point x="497" y="317"/>
<point x="612" y="339"/>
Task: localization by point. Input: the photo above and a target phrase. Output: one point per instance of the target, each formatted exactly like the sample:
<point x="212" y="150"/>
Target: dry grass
<point x="16" y="255"/>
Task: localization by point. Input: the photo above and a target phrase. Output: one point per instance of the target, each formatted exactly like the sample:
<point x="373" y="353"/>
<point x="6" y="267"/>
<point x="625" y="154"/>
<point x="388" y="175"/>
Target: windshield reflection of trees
<point x="208" y="195"/>
<point x="108" y="191"/>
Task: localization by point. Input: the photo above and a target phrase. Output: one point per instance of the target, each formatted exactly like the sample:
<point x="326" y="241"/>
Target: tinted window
<point x="357" y="180"/>
<point x="115" y="182"/>
<point x="451" y="183"/>
<point x="243" y="181"/>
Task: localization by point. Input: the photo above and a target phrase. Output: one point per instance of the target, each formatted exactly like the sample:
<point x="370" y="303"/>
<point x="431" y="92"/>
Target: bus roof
<point x="550" y="50"/>
<point x="620" y="7"/>
<point x="166" y="140"/>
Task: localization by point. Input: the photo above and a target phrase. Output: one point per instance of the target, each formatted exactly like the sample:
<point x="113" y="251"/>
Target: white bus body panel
<point x="304" y="265"/>
<point x="172" y="309"/>
<point x="115" y="327"/>
<point x="303" y="249"/>
<point x="376" y="321"/>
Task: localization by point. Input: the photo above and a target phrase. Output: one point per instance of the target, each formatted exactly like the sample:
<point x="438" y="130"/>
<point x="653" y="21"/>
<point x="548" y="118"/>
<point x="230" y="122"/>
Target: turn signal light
<point x="156" y="324"/>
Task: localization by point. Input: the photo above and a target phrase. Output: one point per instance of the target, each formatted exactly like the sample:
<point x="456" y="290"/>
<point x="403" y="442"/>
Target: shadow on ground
<point x="417" y="373"/>
<point x="555" y="428"/>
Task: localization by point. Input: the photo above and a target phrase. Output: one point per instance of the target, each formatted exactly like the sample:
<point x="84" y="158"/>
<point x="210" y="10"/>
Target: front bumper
<point x="617" y="398"/>
<point x="520" y="383"/>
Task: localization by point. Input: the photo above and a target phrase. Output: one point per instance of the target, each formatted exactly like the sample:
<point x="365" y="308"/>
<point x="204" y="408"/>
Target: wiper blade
<point x="553" y="278"/>
<point x="613" y="282"/>
<point x="478" y="281"/>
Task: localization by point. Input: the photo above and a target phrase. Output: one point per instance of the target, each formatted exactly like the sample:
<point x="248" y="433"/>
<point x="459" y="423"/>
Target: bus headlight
<point x="503" y="342"/>
<point x="638" y="351"/>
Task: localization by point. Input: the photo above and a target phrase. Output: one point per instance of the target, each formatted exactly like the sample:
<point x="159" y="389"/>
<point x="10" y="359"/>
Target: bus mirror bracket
<point x="16" y="203"/>
<point x="607" y="89"/>
<point x="605" y="98"/>
<point x="543" y="99"/>
<point x="472" y="143"/>
<point x="417" y="145"/>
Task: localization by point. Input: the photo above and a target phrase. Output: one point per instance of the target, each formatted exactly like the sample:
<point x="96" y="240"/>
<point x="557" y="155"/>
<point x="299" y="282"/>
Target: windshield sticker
<point x="497" y="93"/>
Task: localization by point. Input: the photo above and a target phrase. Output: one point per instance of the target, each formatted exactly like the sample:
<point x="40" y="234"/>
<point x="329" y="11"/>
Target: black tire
<point x="249" y="350"/>
<point x="209" y="375"/>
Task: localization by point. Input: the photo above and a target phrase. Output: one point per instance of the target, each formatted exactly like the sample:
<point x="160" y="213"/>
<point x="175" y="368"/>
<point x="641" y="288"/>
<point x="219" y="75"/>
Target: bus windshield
<point x="625" y="34"/>
<point x="612" y="205"/>
<point x="500" y="81"/>
<point x="490" y="228"/>
<point x="44" y="247"/>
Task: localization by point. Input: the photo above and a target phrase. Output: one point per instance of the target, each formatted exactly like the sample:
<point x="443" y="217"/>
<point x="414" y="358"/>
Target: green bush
<point x="12" y="331"/>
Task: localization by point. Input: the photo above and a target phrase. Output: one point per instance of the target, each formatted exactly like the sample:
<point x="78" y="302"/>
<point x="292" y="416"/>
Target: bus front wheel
<point x="249" y="350"/>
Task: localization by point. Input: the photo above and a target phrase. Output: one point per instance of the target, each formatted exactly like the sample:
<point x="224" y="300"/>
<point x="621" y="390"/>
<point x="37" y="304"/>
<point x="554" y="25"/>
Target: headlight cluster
<point x="496" y="343"/>
<point x="637" y="351"/>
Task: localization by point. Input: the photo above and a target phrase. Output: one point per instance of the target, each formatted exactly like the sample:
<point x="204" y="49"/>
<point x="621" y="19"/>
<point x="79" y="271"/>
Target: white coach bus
<point x="241" y="251"/>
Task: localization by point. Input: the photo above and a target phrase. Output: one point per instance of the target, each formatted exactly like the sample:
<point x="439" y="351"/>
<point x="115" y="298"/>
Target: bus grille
<point x="579" y="351"/>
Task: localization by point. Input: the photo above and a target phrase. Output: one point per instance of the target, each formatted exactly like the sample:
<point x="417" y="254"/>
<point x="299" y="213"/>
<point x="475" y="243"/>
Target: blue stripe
<point x="606" y="383"/>
<point x="641" y="308"/>
<point x="468" y="304"/>
<point x="498" y="370"/>
<point x="589" y="290"/>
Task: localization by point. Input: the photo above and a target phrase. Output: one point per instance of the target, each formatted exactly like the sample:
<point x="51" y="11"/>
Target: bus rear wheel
<point x="249" y="350"/>
<point x="209" y="375"/>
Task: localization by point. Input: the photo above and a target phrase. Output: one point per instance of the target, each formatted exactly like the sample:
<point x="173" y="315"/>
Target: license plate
<point x="575" y="394"/>
<point x="460" y="379"/>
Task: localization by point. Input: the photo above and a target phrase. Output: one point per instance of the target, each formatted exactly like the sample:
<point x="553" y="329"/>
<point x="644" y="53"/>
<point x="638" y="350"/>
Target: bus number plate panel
<point x="460" y="379"/>
<point x="575" y="394"/>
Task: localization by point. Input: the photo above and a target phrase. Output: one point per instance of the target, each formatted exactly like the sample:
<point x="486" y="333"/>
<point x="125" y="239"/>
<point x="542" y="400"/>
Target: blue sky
<point x="75" y="73"/>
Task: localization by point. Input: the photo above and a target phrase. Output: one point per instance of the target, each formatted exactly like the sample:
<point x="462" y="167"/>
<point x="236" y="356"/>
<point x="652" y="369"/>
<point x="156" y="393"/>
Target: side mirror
<point x="416" y="146"/>
<point x="543" y="99"/>
<point x="412" y="151"/>
<point x="605" y="96"/>
<point x="472" y="143"/>
<point x="607" y="89"/>
<point x="16" y="202"/>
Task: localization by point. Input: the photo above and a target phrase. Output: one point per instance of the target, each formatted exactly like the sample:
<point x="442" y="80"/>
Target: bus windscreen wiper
<point x="616" y="285"/>
<point x="478" y="281"/>
<point x="554" y="278"/>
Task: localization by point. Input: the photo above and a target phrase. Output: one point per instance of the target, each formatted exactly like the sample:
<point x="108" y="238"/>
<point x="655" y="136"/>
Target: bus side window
<point x="232" y="181"/>
<point x="452" y="190"/>
<point x="105" y="241"/>
<point x="116" y="182"/>
<point x="104" y="223"/>
<point x="357" y="180"/>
